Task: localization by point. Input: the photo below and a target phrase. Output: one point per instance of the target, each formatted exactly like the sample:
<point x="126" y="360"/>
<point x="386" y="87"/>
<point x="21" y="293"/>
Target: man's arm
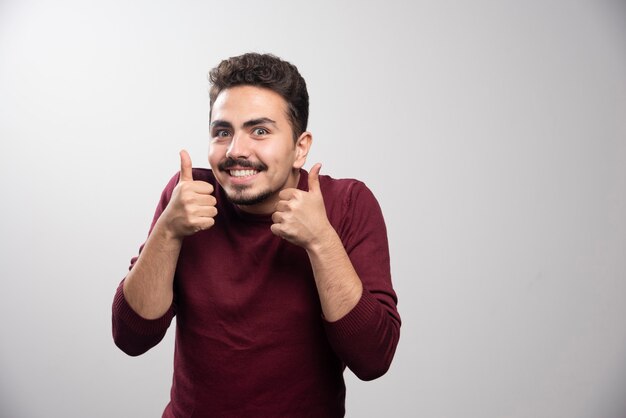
<point x="300" y="218"/>
<point x="362" y="323"/>
<point x="338" y="285"/>
<point x="148" y="288"/>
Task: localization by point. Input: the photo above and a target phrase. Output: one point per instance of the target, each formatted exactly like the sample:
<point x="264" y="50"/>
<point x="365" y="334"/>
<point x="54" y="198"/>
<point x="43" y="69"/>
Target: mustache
<point x="229" y="163"/>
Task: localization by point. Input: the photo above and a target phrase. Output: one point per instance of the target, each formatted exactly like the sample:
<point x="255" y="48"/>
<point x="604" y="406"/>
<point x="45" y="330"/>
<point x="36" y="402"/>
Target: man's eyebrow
<point x="258" y="121"/>
<point x="220" y="124"/>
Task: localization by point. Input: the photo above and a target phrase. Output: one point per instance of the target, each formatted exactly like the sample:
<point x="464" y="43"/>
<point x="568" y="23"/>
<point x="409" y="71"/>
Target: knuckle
<point x="208" y="223"/>
<point x="184" y="199"/>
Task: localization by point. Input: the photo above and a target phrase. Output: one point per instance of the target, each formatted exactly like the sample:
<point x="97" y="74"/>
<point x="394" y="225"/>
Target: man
<point x="278" y="278"/>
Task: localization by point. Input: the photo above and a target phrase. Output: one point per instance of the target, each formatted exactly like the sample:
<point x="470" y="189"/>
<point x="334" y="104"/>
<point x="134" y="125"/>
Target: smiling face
<point x="252" y="151"/>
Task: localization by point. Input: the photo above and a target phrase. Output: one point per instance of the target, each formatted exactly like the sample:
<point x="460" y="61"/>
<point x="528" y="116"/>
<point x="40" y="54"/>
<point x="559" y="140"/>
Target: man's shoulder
<point x="350" y="205"/>
<point x="345" y="192"/>
<point x="342" y="187"/>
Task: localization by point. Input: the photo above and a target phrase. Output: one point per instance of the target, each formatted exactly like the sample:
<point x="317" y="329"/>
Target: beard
<point x="240" y="197"/>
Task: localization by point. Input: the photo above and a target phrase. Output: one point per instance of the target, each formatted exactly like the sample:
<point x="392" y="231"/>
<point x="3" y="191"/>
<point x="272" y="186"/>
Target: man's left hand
<point x="300" y="216"/>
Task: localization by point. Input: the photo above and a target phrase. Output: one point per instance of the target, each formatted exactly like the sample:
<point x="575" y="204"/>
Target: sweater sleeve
<point x="132" y="333"/>
<point x="366" y="338"/>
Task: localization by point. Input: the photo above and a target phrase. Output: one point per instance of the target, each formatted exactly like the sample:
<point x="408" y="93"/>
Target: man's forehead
<point x="241" y="103"/>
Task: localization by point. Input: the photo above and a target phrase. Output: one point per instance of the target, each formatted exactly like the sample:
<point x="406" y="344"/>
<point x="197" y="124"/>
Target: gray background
<point x="492" y="132"/>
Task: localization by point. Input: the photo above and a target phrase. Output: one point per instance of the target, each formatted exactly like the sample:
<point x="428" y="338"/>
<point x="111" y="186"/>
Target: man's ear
<point x="302" y="147"/>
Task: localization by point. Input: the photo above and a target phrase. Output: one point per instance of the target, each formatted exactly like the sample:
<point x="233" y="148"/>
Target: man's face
<point x="252" y="151"/>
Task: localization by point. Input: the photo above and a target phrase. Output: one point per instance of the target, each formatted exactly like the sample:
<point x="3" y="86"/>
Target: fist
<point x="192" y="206"/>
<point x="300" y="216"/>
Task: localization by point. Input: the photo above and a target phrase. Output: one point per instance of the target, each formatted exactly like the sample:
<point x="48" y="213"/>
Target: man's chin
<point x="247" y="199"/>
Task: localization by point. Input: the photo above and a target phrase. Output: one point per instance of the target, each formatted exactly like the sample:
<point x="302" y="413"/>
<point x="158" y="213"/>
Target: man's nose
<point x="239" y="147"/>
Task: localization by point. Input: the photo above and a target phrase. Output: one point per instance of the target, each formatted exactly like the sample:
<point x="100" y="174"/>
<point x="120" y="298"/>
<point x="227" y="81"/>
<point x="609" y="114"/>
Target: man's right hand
<point x="192" y="206"/>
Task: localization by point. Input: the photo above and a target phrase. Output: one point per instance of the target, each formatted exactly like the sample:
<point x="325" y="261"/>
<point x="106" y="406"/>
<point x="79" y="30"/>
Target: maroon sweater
<point x="251" y="340"/>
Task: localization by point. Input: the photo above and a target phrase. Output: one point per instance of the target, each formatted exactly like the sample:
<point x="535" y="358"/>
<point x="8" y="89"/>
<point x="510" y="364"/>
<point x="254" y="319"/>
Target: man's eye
<point x="260" y="131"/>
<point x="222" y="133"/>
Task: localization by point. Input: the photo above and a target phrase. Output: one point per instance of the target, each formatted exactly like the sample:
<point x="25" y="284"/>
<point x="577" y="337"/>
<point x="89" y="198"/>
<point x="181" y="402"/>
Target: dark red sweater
<point x="251" y="340"/>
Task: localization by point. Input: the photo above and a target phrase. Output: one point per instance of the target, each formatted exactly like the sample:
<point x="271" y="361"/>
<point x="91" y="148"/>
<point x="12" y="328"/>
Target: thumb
<point x="185" y="166"/>
<point x="314" y="178"/>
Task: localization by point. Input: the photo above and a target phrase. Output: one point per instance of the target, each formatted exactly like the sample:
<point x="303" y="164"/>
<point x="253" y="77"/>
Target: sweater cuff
<point x="134" y="321"/>
<point x="358" y="318"/>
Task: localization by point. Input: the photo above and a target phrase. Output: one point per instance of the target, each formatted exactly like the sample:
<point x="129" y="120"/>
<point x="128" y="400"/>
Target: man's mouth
<point x="242" y="173"/>
<point x="240" y="167"/>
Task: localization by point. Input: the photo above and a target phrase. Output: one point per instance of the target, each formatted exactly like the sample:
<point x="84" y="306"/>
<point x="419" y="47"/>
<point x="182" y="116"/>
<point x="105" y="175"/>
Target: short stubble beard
<point x="239" y="197"/>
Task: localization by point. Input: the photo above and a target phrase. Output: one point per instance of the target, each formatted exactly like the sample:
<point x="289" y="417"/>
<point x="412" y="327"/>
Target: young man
<point x="278" y="278"/>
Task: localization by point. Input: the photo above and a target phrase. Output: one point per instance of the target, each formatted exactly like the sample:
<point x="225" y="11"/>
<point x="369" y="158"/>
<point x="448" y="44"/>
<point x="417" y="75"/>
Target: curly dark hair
<point x="268" y="71"/>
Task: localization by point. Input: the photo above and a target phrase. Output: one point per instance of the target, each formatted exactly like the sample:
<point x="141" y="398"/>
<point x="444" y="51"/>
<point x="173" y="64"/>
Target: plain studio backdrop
<point x="493" y="134"/>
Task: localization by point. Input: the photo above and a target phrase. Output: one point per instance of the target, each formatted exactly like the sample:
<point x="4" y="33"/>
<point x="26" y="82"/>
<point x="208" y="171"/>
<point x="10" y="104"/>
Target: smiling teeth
<point x="242" y="173"/>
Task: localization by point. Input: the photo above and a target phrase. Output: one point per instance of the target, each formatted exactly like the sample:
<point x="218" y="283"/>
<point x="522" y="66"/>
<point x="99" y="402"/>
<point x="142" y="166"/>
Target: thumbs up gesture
<point x="192" y="206"/>
<point x="300" y="216"/>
